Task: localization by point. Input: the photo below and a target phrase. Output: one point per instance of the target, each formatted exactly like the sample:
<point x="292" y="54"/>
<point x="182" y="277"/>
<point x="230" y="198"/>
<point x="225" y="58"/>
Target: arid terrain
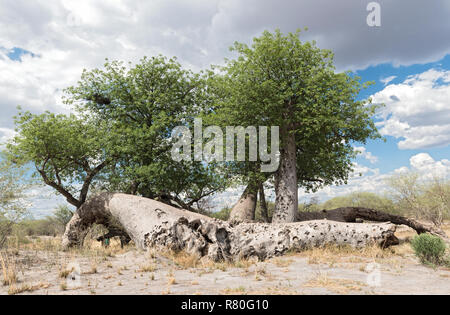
<point x="40" y="267"/>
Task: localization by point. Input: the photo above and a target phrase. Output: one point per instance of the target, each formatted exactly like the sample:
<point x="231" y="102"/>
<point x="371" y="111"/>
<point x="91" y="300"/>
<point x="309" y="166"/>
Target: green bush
<point x="429" y="248"/>
<point x="223" y="214"/>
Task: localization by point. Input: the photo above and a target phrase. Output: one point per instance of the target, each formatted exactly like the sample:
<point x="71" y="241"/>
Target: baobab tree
<point x="281" y="81"/>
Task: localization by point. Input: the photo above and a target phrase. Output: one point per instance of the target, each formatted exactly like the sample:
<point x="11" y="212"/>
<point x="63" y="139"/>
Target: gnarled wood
<point x="150" y="223"/>
<point x="351" y="214"/>
<point x="286" y="185"/>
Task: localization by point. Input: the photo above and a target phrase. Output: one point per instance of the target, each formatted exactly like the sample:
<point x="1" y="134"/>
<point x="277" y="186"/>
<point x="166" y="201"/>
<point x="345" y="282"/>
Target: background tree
<point x="67" y="151"/>
<point x="427" y="199"/>
<point x="13" y="204"/>
<point x="146" y="102"/>
<point x="362" y="199"/>
<point x="280" y="81"/>
<point x="62" y="215"/>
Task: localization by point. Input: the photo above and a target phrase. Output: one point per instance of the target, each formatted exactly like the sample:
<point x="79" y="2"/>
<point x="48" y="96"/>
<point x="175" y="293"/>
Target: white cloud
<point x="363" y="179"/>
<point x="425" y="165"/>
<point x="417" y="110"/>
<point x="69" y="36"/>
<point x="374" y="181"/>
<point x="5" y="135"/>
<point x="387" y="80"/>
<point x="362" y="151"/>
<point x="44" y="201"/>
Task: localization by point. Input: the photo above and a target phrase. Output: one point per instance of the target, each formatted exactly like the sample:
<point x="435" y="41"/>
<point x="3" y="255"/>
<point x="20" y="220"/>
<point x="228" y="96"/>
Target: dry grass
<point x="147" y="268"/>
<point x="171" y="281"/>
<point x="339" y="286"/>
<point x="9" y="271"/>
<point x="331" y="254"/>
<point x="183" y="260"/>
<point x="281" y="262"/>
<point x="52" y="245"/>
<point x="13" y="289"/>
<point x="92" y="271"/>
<point x="234" y="291"/>
<point x="65" y="272"/>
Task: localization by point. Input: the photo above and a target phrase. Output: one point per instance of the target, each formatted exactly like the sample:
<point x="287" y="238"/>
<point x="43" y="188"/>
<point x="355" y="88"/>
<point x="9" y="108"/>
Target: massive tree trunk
<point x="150" y="223"/>
<point x="351" y="214"/>
<point x="244" y="209"/>
<point x="286" y="189"/>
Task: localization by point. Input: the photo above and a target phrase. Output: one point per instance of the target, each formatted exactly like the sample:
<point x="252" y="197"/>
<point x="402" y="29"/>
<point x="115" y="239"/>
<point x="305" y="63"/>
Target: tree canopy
<point x="68" y="152"/>
<point x="119" y="136"/>
<point x="13" y="204"/>
<point x="281" y="81"/>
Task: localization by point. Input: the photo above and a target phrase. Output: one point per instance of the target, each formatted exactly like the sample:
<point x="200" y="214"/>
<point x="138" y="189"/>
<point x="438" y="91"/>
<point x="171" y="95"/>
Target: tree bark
<point x="244" y="209"/>
<point x="152" y="224"/>
<point x="263" y="204"/>
<point x="351" y="214"/>
<point x="286" y="189"/>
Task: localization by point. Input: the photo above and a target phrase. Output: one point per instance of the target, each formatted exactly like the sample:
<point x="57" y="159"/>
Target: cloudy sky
<point x="45" y="44"/>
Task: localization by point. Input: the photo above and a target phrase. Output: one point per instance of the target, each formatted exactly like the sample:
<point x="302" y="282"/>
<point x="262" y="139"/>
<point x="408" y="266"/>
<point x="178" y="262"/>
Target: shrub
<point x="429" y="249"/>
<point x="223" y="214"/>
<point x="362" y="199"/>
<point x="5" y="231"/>
<point x="423" y="198"/>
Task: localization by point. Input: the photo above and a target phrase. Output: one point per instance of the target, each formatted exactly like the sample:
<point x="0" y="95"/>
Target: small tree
<point x="425" y="199"/>
<point x="363" y="199"/>
<point x="281" y="81"/>
<point x="13" y="206"/>
<point x="68" y="152"/>
<point x="146" y="102"/>
<point x="62" y="216"/>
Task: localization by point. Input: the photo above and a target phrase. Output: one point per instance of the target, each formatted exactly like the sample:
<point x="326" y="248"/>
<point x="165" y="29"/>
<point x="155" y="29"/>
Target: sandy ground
<point x="41" y="268"/>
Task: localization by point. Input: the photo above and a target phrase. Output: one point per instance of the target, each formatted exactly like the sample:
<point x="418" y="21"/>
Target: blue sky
<point x="16" y="54"/>
<point x="45" y="45"/>
<point x="390" y="157"/>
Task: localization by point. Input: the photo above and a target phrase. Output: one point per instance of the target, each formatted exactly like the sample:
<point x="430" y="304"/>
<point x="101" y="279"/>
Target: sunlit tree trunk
<point x="286" y="189"/>
<point x="244" y="209"/>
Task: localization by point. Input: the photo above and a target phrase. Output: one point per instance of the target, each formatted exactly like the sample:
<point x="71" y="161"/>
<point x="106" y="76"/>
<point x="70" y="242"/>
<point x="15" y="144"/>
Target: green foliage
<point x="120" y="137"/>
<point x="270" y="210"/>
<point x="42" y="227"/>
<point x="62" y="215"/>
<point x="66" y="150"/>
<point x="223" y="214"/>
<point x="281" y="81"/>
<point x="50" y="226"/>
<point x="13" y="206"/>
<point x="429" y="249"/>
<point x="145" y="103"/>
<point x="424" y="199"/>
<point x="362" y="199"/>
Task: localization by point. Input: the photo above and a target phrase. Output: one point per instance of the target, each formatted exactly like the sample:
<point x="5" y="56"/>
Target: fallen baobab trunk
<point x="150" y="223"/>
<point x="351" y="214"/>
